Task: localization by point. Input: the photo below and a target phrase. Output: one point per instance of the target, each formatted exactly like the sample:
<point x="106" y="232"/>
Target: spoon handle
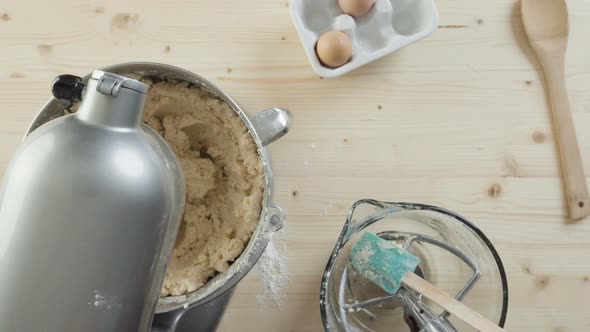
<point x="450" y="304"/>
<point x="576" y="189"/>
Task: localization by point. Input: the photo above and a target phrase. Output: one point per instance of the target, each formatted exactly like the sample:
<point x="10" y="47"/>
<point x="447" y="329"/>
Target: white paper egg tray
<point x="389" y="26"/>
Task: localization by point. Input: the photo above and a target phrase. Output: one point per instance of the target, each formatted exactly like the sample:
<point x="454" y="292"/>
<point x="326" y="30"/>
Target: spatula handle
<point x="450" y="304"/>
<point x="576" y="188"/>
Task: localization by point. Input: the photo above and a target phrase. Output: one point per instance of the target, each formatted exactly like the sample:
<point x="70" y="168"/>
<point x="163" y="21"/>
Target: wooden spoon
<point x="547" y="27"/>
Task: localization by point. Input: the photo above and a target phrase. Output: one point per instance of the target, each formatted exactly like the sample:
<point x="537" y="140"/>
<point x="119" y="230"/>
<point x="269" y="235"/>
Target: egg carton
<point x="389" y="26"/>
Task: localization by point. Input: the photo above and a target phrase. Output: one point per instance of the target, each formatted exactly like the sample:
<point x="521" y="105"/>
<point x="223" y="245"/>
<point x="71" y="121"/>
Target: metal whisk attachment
<point x="418" y="316"/>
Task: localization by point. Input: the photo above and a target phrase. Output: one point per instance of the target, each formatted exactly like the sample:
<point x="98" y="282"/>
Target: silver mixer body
<point x="89" y="210"/>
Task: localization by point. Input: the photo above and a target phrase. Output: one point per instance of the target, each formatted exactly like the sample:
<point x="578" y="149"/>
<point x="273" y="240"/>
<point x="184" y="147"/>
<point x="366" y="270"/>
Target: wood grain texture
<point x="459" y="120"/>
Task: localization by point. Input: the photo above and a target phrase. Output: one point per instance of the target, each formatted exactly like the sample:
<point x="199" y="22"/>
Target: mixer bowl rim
<point x="224" y="281"/>
<point x="343" y="238"/>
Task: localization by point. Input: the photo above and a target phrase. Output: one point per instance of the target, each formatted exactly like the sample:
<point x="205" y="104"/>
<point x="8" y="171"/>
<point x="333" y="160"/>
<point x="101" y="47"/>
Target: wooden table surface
<point x="458" y="120"/>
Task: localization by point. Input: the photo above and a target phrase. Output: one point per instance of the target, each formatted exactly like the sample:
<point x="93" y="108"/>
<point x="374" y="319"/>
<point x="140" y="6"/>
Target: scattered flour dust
<point x="272" y="268"/>
<point x="104" y="301"/>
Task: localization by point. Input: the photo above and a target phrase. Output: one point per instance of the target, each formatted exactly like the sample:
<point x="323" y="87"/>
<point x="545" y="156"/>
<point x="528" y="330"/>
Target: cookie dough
<point x="224" y="181"/>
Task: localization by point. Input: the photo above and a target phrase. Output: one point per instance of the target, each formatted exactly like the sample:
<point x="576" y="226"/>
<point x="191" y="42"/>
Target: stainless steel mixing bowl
<point x="265" y="127"/>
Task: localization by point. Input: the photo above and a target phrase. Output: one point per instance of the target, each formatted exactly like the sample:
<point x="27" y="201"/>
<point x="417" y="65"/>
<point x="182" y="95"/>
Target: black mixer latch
<point x="67" y="88"/>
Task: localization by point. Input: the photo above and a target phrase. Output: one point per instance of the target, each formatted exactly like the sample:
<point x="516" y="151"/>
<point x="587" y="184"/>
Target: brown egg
<point x="356" y="7"/>
<point x="334" y="48"/>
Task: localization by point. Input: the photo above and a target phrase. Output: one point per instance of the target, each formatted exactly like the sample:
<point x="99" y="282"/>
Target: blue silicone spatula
<point x="390" y="266"/>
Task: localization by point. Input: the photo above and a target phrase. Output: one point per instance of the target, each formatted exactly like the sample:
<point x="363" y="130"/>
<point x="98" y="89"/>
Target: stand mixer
<point x="195" y="312"/>
<point x="90" y="206"/>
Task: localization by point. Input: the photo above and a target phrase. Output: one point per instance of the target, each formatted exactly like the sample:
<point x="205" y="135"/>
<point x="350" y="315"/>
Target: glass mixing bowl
<point x="455" y="256"/>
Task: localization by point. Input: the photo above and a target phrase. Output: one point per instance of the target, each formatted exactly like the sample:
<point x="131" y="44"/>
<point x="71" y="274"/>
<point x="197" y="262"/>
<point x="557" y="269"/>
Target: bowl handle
<point x="271" y="124"/>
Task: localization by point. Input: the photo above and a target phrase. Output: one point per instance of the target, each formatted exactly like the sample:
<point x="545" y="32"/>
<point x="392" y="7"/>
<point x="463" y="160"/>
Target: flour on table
<point x="272" y="268"/>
